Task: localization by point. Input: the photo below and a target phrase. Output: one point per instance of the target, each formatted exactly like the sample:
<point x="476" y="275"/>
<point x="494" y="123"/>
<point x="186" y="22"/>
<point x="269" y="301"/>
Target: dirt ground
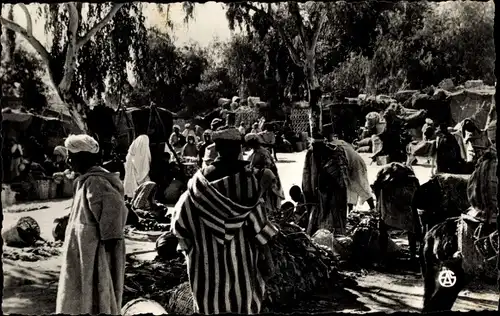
<point x="30" y="287"/>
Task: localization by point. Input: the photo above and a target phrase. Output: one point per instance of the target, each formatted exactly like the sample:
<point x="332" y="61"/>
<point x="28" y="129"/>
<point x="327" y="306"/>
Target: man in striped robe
<point x="223" y="232"/>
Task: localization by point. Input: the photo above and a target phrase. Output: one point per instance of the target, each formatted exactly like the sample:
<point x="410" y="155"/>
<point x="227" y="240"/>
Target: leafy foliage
<point x="21" y="74"/>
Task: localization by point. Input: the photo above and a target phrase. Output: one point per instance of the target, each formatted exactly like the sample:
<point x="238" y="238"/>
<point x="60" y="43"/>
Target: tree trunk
<point x="77" y="112"/>
<point x="314" y="92"/>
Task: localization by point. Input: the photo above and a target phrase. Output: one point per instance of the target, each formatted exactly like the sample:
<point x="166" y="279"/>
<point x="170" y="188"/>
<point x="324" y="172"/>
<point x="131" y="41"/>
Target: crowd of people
<point x="223" y="219"/>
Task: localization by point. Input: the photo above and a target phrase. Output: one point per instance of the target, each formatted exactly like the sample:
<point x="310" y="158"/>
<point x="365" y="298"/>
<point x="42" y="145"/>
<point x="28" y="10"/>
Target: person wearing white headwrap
<point x="93" y="268"/>
<point x="137" y="165"/>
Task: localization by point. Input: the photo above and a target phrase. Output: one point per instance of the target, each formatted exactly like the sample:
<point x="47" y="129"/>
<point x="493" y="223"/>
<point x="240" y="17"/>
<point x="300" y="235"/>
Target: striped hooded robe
<point x="220" y="226"/>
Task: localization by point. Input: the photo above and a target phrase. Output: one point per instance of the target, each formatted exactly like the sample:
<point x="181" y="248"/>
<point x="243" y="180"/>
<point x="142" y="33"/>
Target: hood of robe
<point x="112" y="178"/>
<point x="220" y="214"/>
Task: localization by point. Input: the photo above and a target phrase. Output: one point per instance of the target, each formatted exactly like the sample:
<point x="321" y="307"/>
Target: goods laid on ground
<point x="23" y="233"/>
<point x="153" y="279"/>
<point x="41" y="250"/>
<point x="302" y="268"/>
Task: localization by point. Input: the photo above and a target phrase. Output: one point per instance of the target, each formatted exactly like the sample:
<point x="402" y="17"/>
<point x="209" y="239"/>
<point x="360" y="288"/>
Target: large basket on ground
<point x="67" y="186"/>
<point x="23" y="233"/>
<point x="52" y="189"/>
<point x="181" y="300"/>
<point x="42" y="189"/>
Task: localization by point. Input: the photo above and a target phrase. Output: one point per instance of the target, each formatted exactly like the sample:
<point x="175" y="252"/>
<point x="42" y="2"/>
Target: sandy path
<point x="30" y="287"/>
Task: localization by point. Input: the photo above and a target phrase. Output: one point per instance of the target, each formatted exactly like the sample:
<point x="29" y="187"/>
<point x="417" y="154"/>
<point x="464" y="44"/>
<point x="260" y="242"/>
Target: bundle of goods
<point x="153" y="279"/>
<point x="411" y="117"/>
<point x="247" y="115"/>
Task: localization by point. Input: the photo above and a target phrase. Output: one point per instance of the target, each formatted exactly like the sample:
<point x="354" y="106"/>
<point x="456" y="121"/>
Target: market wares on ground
<point x="41" y="250"/>
<point x="23" y="233"/>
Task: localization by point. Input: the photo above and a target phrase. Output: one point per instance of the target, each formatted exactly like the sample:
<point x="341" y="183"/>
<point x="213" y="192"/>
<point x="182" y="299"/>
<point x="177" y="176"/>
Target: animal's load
<point x="23" y="233"/>
<point x="410" y="116"/>
<point x="141" y="306"/>
<point x="252" y="101"/>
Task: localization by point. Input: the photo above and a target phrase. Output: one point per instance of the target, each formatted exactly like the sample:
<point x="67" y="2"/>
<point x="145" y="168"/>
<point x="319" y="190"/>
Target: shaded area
<point x="29" y="290"/>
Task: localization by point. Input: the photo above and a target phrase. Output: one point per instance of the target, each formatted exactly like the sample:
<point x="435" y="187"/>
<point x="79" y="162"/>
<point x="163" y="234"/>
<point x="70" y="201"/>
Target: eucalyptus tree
<point x="89" y="44"/>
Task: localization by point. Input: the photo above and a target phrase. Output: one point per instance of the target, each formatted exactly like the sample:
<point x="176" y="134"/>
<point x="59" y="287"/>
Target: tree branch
<point x="72" y="50"/>
<point x="288" y="42"/>
<point x="293" y="8"/>
<point x="317" y="30"/>
<point x="96" y="28"/>
<point x="29" y="21"/>
<point x="40" y="49"/>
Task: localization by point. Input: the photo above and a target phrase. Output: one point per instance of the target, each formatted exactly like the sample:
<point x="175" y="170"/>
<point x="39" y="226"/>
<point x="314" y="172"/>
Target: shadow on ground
<point x="28" y="291"/>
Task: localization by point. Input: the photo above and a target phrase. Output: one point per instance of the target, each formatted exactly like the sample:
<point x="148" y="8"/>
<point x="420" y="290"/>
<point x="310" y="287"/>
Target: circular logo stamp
<point x="447" y="278"/>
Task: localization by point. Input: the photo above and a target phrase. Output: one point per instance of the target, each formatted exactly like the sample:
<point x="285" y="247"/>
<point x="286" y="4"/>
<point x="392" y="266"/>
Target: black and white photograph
<point x="249" y="157"/>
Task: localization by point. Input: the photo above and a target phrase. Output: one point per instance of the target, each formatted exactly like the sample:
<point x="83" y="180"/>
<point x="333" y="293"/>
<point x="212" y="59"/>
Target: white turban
<point x="81" y="143"/>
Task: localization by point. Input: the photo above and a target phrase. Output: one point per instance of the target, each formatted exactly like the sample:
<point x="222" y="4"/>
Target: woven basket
<point x="52" y="190"/>
<point x="67" y="187"/>
<point x="25" y="232"/>
<point x="43" y="189"/>
<point x="181" y="300"/>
